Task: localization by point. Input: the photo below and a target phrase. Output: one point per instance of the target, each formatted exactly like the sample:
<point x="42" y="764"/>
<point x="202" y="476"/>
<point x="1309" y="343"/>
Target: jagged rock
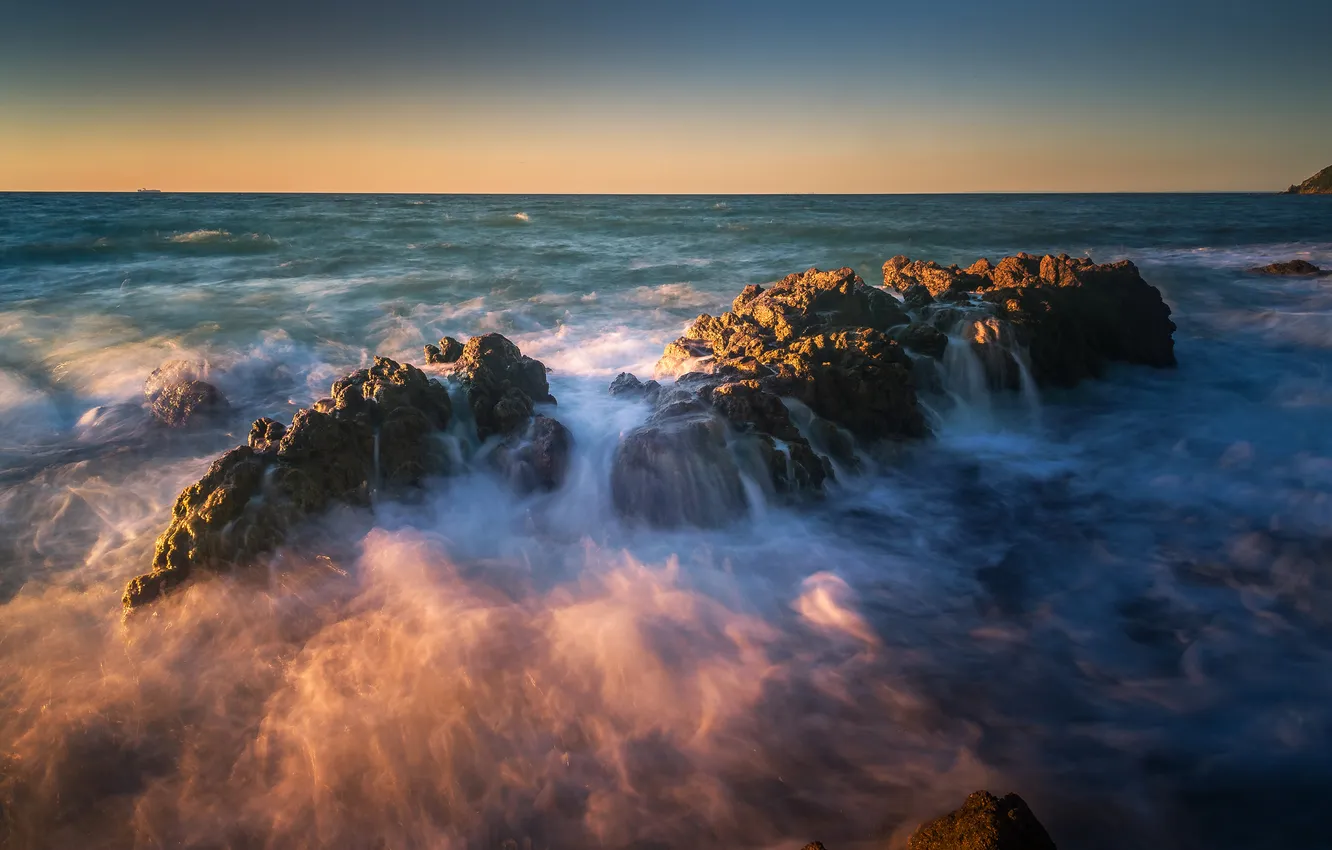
<point x="377" y="430"/>
<point x="266" y="434"/>
<point x="1073" y="315"/>
<point x="984" y="822"/>
<point x="1291" y="267"/>
<point x="502" y="384"/>
<point x="177" y="395"/>
<point x="539" y="459"/>
<point x="818" y="337"/>
<point x="677" y="470"/>
<point x="448" y="351"/>
<point x="922" y="338"/>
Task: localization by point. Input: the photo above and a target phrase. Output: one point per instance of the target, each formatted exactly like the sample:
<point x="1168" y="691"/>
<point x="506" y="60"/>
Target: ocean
<point x="1115" y="600"/>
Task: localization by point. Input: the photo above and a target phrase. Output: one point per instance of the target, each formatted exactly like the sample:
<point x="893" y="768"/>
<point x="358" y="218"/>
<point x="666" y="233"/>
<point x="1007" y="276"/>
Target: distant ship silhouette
<point x="151" y="190"/>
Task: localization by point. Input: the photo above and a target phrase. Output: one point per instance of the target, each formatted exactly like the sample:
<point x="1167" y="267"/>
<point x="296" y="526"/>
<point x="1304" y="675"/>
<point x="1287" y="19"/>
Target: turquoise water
<point x="1115" y="600"/>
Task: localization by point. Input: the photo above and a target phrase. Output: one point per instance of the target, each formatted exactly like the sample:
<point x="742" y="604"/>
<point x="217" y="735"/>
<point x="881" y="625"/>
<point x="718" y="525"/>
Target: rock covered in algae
<point x="1070" y="314"/>
<point x="378" y="430"/>
<point x="984" y="822"/>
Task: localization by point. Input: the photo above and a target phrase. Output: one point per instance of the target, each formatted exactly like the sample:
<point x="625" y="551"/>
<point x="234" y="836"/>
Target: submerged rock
<point x="448" y="351"/>
<point x="677" y="470"/>
<point x="1072" y="315"/>
<point x="1290" y="267"/>
<point x="984" y="822"/>
<point x="177" y="395"/>
<point x="539" y="458"/>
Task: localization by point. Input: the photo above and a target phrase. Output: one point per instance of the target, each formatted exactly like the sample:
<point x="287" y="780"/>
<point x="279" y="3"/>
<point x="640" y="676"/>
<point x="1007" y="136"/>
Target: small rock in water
<point x="177" y="395"/>
<point x="984" y="822"/>
<point x="448" y="351"/>
<point x="1290" y="267"/>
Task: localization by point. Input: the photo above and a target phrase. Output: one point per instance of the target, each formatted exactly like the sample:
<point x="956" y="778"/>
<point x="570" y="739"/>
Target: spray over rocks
<point x="381" y="430"/>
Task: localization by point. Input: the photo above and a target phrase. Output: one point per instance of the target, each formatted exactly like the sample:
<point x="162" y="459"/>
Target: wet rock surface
<point x="538" y="460"/>
<point x="380" y="429"/>
<point x="448" y="351"/>
<point x="1072" y="316"/>
<point x="819" y="337"/>
<point x="1290" y="267"/>
<point x="984" y="822"/>
<point x="502" y="384"/>
<point x="177" y="395"/>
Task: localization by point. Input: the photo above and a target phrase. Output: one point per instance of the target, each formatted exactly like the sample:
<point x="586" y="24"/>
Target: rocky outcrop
<point x="1071" y="316"/>
<point x="1290" y="267"/>
<point x="178" y="396"/>
<point x="984" y="822"/>
<point x="1319" y="184"/>
<point x="818" y="337"/>
<point x="501" y="384"/>
<point x="378" y="431"/>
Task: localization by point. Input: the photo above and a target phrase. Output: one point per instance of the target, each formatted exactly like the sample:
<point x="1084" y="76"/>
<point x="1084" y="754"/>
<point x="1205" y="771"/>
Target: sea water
<point x="1115" y="600"/>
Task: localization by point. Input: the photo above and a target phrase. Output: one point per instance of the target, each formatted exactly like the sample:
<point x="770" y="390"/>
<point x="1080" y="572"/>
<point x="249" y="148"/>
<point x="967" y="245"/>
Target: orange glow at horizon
<point x="533" y="149"/>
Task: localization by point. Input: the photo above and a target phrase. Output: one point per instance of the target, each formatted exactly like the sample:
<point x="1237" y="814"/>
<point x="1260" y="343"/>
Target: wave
<point x="522" y="216"/>
<point x="205" y="236"/>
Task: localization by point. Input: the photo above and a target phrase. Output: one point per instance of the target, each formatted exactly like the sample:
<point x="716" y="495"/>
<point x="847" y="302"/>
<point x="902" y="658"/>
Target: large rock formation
<point x="177" y="395"/>
<point x="984" y="822"/>
<point x="1319" y="184"/>
<point x="818" y="337"/>
<point x="1071" y="316"/>
<point x="379" y="430"/>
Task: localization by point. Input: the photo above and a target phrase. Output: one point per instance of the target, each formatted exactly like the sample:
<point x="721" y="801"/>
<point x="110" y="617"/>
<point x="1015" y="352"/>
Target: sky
<point x="526" y="96"/>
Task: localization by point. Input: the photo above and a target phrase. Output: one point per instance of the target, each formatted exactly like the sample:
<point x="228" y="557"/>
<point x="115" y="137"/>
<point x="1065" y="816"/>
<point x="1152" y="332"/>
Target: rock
<point x="995" y="344"/>
<point x="177" y="395"/>
<point x="448" y="351"/>
<point x="266" y="434"/>
<point x="1291" y="267"/>
<point x="1072" y="315"/>
<point x="627" y="385"/>
<point x="814" y="845"/>
<point x="818" y="337"/>
<point x="984" y="822"/>
<point x="378" y="430"/>
<point x="922" y="338"/>
<point x="676" y="470"/>
<point x="1319" y="184"/>
<point x="502" y="384"/>
<point x="539" y="460"/>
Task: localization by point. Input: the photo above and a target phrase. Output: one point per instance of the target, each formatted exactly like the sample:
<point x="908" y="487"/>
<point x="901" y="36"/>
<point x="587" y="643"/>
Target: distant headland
<point x="1319" y="184"/>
